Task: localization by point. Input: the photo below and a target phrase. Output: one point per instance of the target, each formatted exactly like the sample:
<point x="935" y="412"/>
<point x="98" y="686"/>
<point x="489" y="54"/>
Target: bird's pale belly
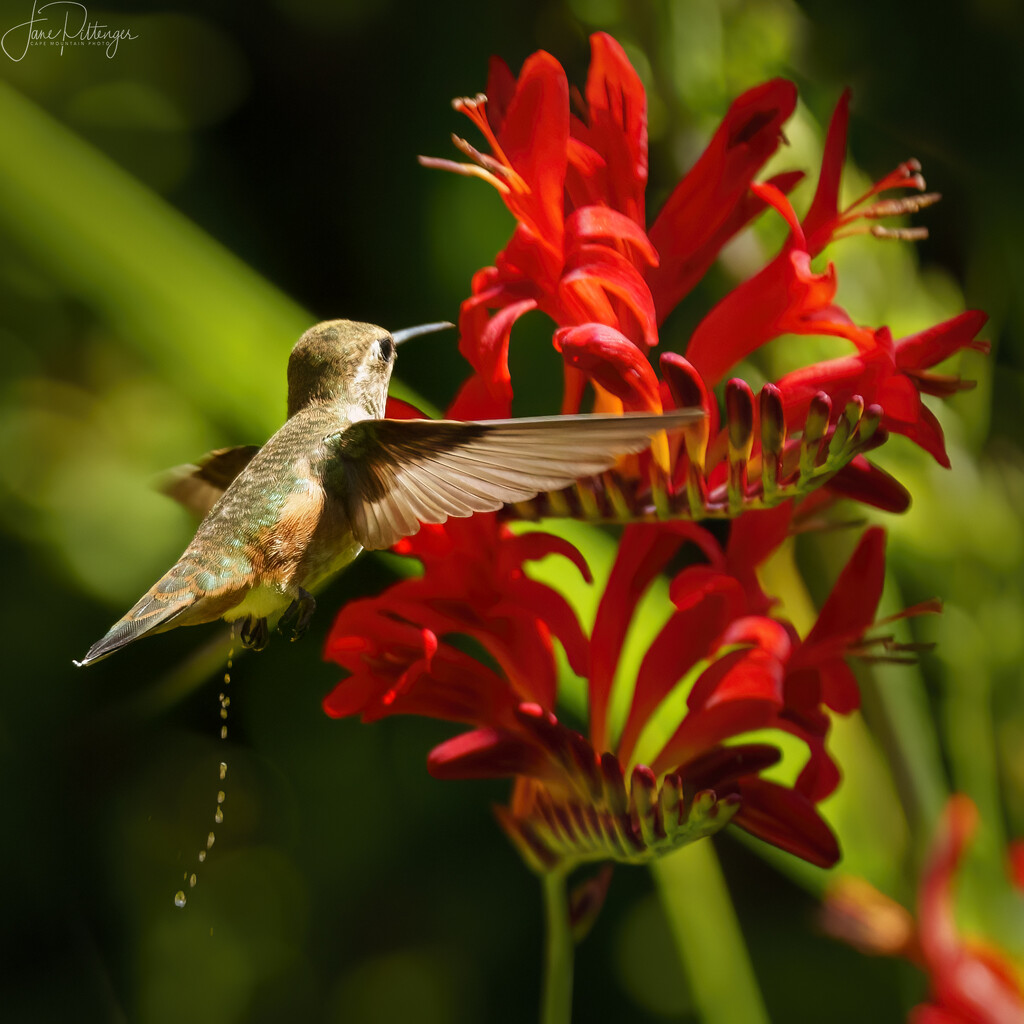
<point x="260" y="603"/>
<point x="323" y="561"/>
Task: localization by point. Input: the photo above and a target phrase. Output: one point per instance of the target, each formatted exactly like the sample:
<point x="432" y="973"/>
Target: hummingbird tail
<point x="152" y="614"/>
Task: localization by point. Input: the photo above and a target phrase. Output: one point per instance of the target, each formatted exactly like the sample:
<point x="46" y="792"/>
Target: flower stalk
<point x="556" y="993"/>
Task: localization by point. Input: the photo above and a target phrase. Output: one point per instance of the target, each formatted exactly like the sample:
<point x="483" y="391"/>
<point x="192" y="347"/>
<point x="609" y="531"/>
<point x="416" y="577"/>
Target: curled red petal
<point x="786" y="297"/>
<point x="613" y="361"/>
<point x="694" y="265"/>
<point x="750" y="674"/>
<point x="604" y="286"/>
<point x="776" y="198"/>
<point x="707" y="728"/>
<point x="863" y="481"/>
<point x="557" y="614"/>
<point x="603" y="224"/>
<point x="485" y="338"/>
<point x="536" y="544"/>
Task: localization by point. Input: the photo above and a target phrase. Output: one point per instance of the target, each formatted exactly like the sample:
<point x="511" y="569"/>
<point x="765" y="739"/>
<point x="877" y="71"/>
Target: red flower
<point x="971" y="982"/>
<point x="581" y="253"/>
<point x="572" y="802"/>
<point x="722" y="665"/>
<point x="473" y="584"/>
<point x="576" y="185"/>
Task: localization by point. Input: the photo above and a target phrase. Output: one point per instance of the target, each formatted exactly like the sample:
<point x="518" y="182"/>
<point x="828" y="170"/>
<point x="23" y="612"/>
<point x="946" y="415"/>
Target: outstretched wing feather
<point x="398" y="474"/>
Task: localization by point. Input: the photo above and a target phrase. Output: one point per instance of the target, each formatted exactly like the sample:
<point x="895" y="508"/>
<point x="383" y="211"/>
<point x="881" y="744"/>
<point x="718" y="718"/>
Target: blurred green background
<point x="171" y="219"/>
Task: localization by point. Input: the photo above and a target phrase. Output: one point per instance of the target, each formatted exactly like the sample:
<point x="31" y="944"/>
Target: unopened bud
<point x="739" y="410"/>
<point x="689" y="392"/>
<point x="818" y="415"/>
<point x="773" y="420"/>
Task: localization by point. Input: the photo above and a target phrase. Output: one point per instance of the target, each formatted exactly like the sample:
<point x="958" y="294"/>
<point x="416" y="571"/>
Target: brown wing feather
<point x="199" y="487"/>
<point x="396" y="474"/>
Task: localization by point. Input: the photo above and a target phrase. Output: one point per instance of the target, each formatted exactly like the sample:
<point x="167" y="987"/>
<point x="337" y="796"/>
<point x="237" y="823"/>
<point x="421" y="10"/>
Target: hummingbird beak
<point x="398" y="337"/>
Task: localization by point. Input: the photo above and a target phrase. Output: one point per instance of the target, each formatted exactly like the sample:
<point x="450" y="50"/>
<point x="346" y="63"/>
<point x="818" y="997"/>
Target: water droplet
<point x="192" y="880"/>
<point x="223" y="732"/>
<point x="180" y="899"/>
<point x="202" y="856"/>
<point x="220" y="796"/>
<point x="223" y="770"/>
<point x="210" y="840"/>
<point x="218" y="816"/>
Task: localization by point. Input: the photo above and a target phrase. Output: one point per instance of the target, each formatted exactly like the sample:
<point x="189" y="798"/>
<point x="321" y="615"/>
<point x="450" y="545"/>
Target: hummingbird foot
<point x="296" y="618"/>
<point x="255" y="634"/>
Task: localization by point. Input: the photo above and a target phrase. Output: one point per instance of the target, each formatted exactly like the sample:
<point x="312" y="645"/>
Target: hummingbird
<point x="338" y="478"/>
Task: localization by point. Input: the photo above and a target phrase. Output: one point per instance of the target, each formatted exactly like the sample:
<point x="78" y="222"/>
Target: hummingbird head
<point x="346" y="361"/>
<point x="341" y="360"/>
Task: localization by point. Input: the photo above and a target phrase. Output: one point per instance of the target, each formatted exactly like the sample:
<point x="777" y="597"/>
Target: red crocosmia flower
<point x="576" y="186"/>
<point x="971" y="982"/>
<point x="893" y="375"/>
<point x="581" y="253"/>
<point x="680" y="762"/>
<point x="588" y="797"/>
<point x="473" y="584"/>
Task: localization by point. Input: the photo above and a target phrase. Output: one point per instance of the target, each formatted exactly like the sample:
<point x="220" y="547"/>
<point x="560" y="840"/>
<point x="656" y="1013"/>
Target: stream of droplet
<point x="180" y="899"/>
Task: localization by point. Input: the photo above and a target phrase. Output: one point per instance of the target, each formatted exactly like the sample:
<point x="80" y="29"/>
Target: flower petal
<point x="787" y="820"/>
<point x="705" y="198"/>
<point x="614" y="362"/>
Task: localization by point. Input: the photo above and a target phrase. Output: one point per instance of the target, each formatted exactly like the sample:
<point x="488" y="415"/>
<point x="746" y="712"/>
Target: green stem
<point x="556" y="998"/>
<point x="707" y="933"/>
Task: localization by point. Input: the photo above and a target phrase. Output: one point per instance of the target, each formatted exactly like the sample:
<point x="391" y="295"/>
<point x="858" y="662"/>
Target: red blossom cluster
<point x="582" y="253"/>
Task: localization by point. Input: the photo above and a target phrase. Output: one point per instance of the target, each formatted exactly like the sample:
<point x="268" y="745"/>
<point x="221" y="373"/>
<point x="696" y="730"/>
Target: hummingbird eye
<point x="387" y="348"/>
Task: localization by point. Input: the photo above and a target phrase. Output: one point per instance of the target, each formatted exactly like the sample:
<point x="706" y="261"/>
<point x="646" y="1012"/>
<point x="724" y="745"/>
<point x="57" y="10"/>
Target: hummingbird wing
<point x="199" y="487"/>
<point x="394" y="475"/>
